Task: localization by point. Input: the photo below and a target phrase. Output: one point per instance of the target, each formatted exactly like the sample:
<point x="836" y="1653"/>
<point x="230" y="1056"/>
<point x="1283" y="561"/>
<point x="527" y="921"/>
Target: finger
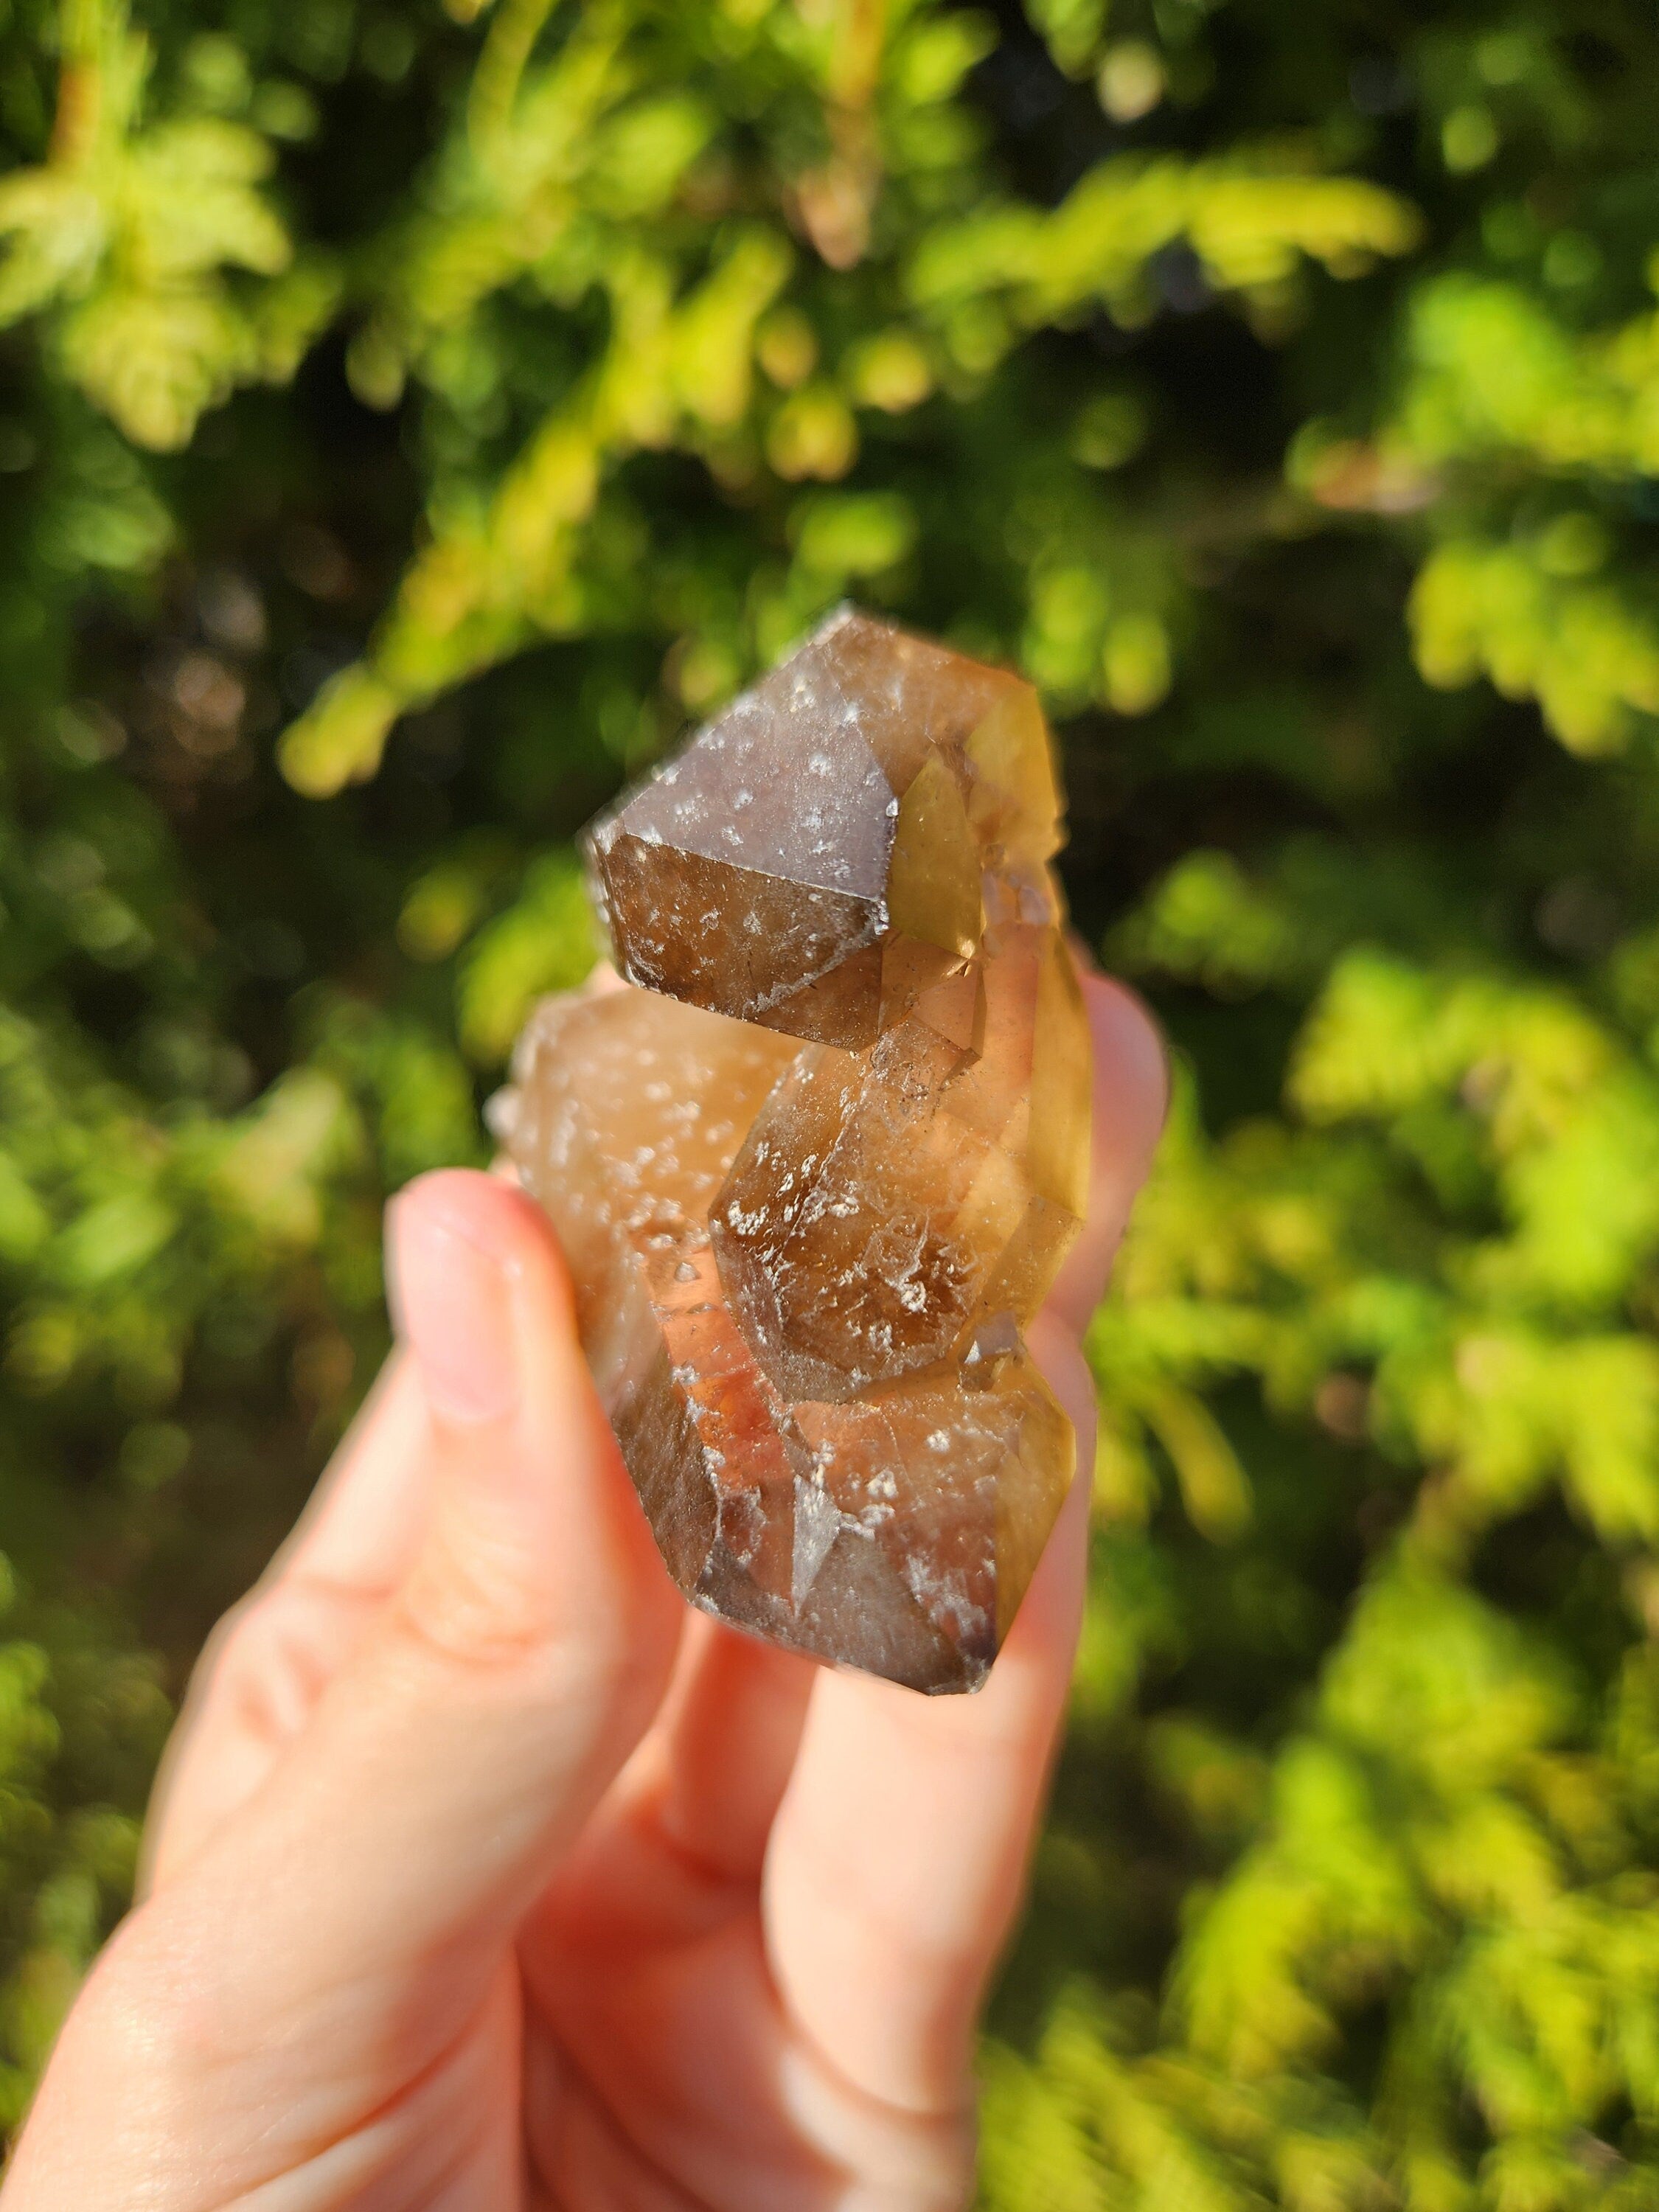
<point x="1132" y="1098"/>
<point x="499" y="1689"/>
<point x="720" y="1752"/>
<point x="898" y="1854"/>
<point x="268" y="1661"/>
<point x="367" y="1517"/>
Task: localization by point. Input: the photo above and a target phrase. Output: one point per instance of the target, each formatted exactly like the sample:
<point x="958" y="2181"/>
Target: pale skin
<point x="483" y="1876"/>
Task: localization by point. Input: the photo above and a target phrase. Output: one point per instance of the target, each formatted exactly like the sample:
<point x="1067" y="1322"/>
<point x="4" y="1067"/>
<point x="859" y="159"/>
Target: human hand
<point x="482" y="1875"/>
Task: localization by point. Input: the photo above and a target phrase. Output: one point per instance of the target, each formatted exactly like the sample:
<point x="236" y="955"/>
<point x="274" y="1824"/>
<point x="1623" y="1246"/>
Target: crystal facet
<point x="819" y="1166"/>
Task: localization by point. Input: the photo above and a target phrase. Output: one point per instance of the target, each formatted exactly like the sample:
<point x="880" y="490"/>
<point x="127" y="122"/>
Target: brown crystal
<point x="815" y="1175"/>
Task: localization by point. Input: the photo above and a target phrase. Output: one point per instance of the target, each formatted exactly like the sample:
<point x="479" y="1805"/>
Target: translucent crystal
<point x="819" y="1166"/>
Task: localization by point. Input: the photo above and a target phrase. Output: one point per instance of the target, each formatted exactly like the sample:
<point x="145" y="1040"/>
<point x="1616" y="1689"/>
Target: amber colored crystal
<point x="816" y="1169"/>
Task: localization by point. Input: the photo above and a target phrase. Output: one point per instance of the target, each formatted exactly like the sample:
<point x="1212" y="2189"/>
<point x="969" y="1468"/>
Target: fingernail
<point x="452" y="1304"/>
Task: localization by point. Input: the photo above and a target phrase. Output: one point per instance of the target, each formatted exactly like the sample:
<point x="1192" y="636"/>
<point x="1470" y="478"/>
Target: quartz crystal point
<point x="817" y="1169"/>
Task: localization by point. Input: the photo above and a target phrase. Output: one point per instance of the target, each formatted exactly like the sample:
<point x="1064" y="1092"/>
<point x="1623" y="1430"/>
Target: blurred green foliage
<point x="408" y="419"/>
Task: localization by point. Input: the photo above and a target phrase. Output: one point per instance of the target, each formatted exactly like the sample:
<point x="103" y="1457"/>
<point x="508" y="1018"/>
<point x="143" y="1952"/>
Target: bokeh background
<point x="410" y="417"/>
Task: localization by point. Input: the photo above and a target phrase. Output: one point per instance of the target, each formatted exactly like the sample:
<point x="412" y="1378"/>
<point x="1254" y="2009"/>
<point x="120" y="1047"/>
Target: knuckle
<point x="475" y="1612"/>
<point x="271" y="1667"/>
<point x="479" y="1615"/>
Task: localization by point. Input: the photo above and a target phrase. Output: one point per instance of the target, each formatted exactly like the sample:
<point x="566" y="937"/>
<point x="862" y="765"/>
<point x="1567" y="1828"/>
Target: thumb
<point x="492" y="1699"/>
<point x="340" y="1931"/>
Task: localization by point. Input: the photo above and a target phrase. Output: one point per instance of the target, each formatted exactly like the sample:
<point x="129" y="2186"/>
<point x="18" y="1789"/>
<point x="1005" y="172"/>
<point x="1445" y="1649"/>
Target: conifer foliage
<point x="412" y="416"/>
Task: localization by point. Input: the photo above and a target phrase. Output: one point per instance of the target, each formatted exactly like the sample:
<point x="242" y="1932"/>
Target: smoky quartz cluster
<point x="816" y="1165"/>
